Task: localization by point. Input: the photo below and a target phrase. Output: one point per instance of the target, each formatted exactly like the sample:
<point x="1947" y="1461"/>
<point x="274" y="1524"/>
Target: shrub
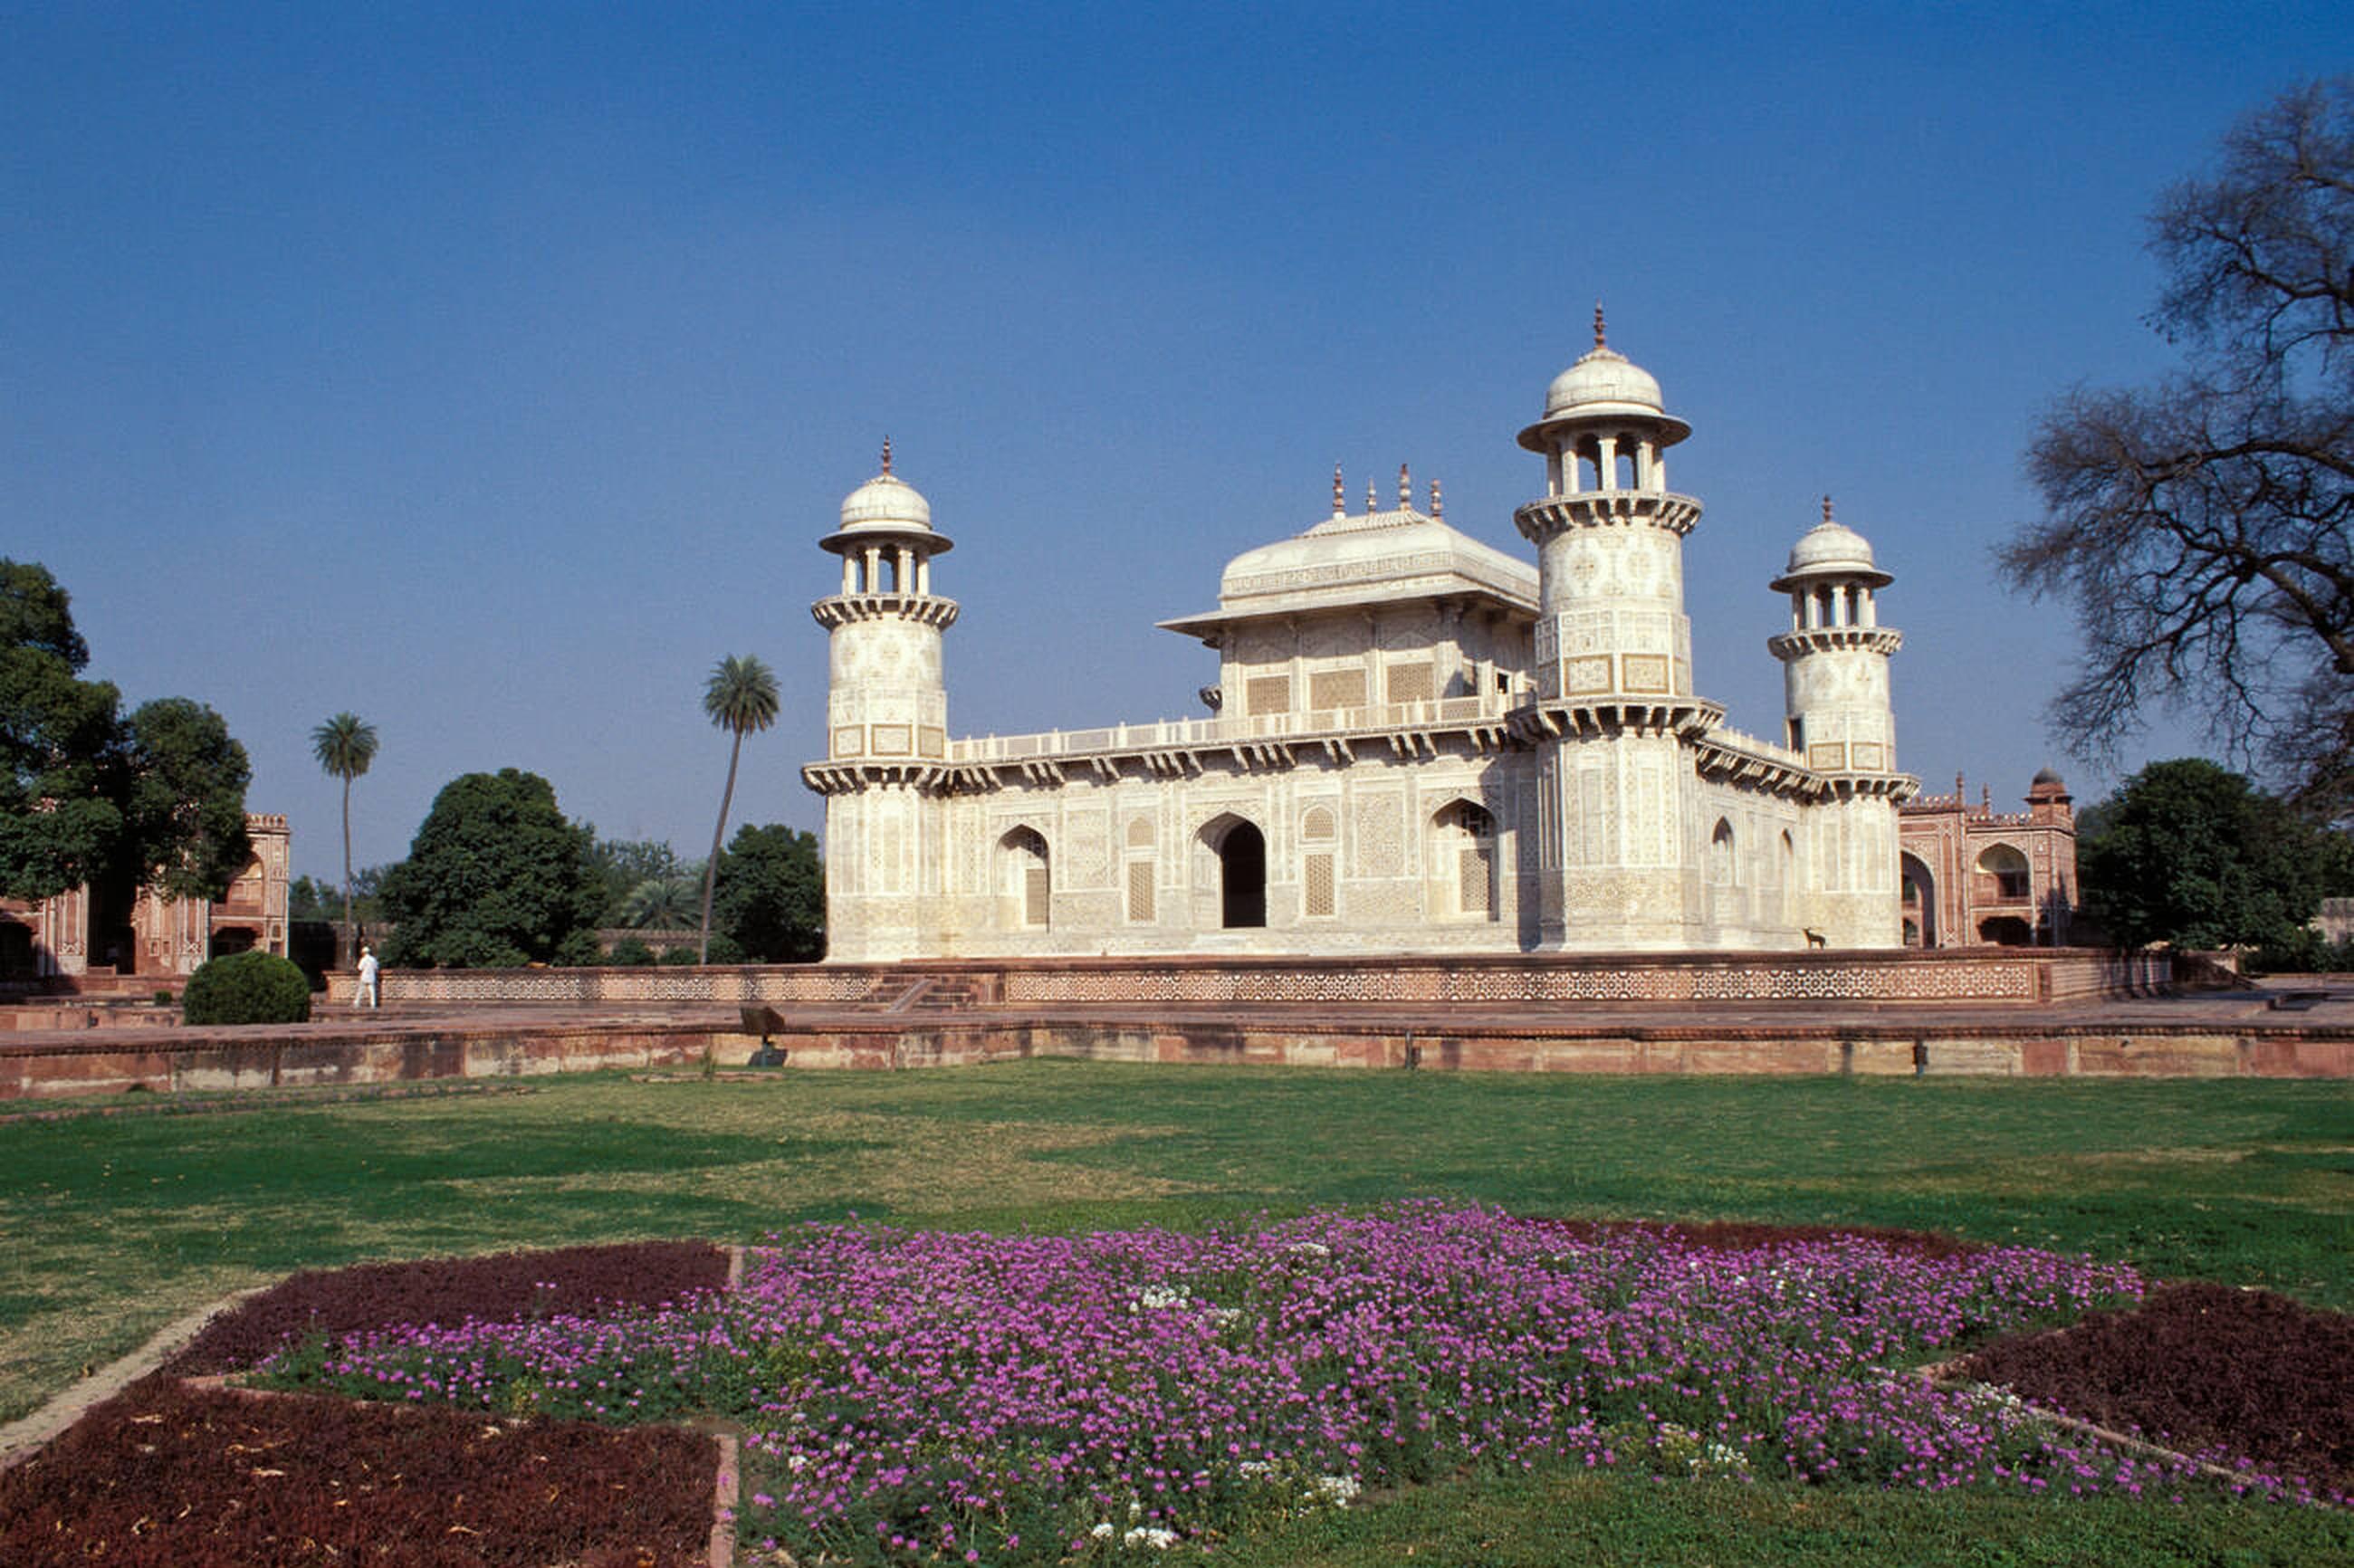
<point x="630" y="953"/>
<point x="678" y="955"/>
<point x="162" y="996"/>
<point x="247" y="988"/>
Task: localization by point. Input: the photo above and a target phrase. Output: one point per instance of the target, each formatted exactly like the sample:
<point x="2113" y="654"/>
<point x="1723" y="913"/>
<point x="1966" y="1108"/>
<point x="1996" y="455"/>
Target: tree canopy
<point x="771" y="898"/>
<point x="89" y="796"/>
<point x="496" y="877"/>
<point x="2199" y="527"/>
<point x="2189" y="852"/>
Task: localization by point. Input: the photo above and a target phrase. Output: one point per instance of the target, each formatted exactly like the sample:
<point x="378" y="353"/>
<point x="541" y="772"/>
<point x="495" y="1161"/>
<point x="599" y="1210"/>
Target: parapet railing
<point x="1380" y="718"/>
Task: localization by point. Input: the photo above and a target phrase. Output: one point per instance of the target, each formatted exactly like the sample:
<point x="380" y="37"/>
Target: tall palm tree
<point x="740" y="697"/>
<point x="344" y="747"/>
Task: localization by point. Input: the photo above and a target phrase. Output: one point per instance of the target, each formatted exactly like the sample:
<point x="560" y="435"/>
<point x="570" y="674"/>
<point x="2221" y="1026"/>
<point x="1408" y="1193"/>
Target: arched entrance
<point x="1025" y="879"/>
<point x="2006" y="931"/>
<point x="1464" y="838"/>
<point x="1920" y="902"/>
<point x="1242" y="877"/>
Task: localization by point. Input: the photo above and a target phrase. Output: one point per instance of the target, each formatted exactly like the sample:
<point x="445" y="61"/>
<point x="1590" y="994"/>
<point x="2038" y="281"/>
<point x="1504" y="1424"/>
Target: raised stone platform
<point x="889" y="1017"/>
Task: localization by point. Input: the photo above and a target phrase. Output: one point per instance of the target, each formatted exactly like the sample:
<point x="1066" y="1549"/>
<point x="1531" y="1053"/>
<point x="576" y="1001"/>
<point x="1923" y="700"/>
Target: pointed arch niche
<point x="1026" y="883"/>
<point x="1240" y="849"/>
<point x="1465" y="880"/>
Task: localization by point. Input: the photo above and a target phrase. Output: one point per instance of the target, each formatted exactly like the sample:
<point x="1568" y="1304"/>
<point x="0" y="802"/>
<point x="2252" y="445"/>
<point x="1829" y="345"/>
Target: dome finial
<point x="1601" y="339"/>
<point x="1405" y="489"/>
<point x="1372" y="499"/>
<point x="1340" y="498"/>
<point x="1437" y="503"/>
<point x="886" y="454"/>
<point x="1827" y="508"/>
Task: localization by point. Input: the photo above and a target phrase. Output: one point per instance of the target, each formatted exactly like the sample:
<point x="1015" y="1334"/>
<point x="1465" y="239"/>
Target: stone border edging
<point x="21" y="1439"/>
<point x="1939" y="1375"/>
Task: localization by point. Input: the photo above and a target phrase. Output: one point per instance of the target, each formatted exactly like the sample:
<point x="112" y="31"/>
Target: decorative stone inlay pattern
<point x="1377" y="843"/>
<point x="1336" y="689"/>
<point x="1316" y="897"/>
<point x="1411" y="683"/>
<point x="1469" y="981"/>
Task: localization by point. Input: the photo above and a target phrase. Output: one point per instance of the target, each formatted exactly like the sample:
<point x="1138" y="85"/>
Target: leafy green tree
<point x="89" y="797"/>
<point x="59" y="736"/>
<point x="771" y="901"/>
<point x="185" y="799"/>
<point x="321" y="898"/>
<point x="2199" y="526"/>
<point x="740" y="697"/>
<point x="621" y="865"/>
<point x="344" y="747"/>
<point x="2191" y="853"/>
<point x="496" y="877"/>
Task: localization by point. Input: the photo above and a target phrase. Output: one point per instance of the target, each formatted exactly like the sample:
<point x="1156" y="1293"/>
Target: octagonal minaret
<point x="1836" y="696"/>
<point x="1613" y="662"/>
<point x="886" y="725"/>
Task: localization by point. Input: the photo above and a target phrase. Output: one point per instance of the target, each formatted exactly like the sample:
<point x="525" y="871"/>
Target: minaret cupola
<point x="886" y="540"/>
<point x="1835" y="656"/>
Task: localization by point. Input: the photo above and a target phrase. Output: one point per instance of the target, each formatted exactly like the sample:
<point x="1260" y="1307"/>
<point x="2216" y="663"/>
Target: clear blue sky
<point x="489" y="371"/>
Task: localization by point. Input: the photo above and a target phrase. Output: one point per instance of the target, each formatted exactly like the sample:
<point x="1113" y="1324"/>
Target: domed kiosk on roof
<point x="1418" y="740"/>
<point x="1604" y="386"/>
<point x="1831" y="549"/>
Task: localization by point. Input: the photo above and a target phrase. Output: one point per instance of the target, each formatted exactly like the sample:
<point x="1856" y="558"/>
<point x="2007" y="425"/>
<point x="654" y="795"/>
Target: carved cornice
<point x="1736" y="764"/>
<point x="1541" y="520"/>
<point x="848" y="777"/>
<point x="1831" y="639"/>
<point x="925" y="610"/>
<point x="1689" y="717"/>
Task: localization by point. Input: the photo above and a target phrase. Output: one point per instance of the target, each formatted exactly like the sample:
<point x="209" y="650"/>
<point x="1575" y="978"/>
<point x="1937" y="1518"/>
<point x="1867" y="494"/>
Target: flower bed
<point x="2200" y="1367"/>
<point x="1008" y="1399"/>
<point x="167" y="1476"/>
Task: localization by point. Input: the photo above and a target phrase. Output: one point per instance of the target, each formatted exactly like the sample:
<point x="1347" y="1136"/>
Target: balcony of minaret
<point x="886" y="581"/>
<point x="1614" y="508"/>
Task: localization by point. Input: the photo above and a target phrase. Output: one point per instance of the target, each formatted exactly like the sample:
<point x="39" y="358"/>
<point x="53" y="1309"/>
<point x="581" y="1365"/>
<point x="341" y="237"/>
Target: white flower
<point x="1337" y="1490"/>
<point x="797" y="1461"/>
<point x="1101" y="1532"/>
<point x="1156" y="1537"/>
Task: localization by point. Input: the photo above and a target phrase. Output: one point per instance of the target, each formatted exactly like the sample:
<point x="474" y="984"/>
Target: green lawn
<point x="116" y="1225"/>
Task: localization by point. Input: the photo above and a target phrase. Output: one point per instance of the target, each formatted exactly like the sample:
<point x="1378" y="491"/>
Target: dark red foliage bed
<point x="167" y="1476"/>
<point x="2197" y="1366"/>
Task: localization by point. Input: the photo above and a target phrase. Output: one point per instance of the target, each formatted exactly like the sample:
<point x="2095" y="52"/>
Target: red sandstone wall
<point x="255" y="1058"/>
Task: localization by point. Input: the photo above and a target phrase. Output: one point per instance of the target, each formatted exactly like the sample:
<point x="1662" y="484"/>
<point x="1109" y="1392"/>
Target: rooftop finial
<point x="1826" y="509"/>
<point x="1340" y="499"/>
<point x="1372" y="499"/>
<point x="1405" y="489"/>
<point x="886" y="454"/>
<point x="1437" y="505"/>
<point x="1601" y="339"/>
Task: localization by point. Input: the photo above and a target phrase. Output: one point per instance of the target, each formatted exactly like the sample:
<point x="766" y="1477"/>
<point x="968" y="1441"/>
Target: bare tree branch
<point x="2199" y="527"/>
